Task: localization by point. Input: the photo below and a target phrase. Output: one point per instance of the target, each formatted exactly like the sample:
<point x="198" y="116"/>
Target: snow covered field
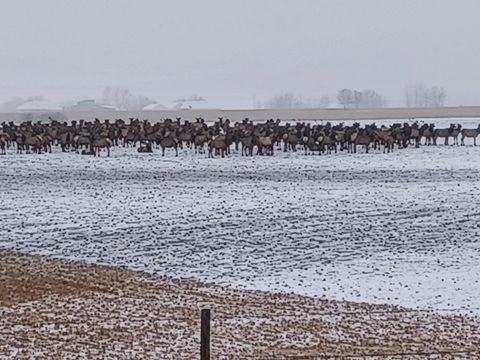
<point x="400" y="228"/>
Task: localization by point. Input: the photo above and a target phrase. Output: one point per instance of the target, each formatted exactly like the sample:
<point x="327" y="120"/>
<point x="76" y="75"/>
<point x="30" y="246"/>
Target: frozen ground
<point x="399" y="228"/>
<point x="54" y="309"/>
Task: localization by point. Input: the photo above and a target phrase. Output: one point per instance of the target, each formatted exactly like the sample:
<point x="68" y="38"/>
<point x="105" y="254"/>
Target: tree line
<point x="415" y="96"/>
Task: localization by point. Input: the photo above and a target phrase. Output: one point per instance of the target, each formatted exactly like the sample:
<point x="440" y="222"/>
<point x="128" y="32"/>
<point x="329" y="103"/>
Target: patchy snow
<point x="56" y="309"/>
<point x="398" y="228"/>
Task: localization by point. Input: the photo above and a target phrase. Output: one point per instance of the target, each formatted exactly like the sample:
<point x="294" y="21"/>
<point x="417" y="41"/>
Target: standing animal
<point x="427" y="131"/>
<point x="4" y="138"/>
<point x="34" y="143"/>
<point x="415" y="134"/>
<point x="290" y="140"/>
<point x="265" y="143"/>
<point x="101" y="143"/>
<point x="218" y="143"/>
<point x="452" y="131"/>
<point x="169" y="140"/>
<point x="247" y="141"/>
<point x="470" y="133"/>
<point x="3" y="146"/>
<point x="360" y="138"/>
<point x="385" y="137"/>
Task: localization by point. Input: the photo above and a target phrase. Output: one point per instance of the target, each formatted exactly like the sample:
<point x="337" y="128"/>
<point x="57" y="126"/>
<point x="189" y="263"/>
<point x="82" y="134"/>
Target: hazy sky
<point x="232" y="51"/>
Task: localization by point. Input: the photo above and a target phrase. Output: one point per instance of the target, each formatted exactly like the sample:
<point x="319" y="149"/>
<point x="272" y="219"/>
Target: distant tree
<point x="436" y="97"/>
<point x="371" y="99"/>
<point x="284" y="101"/>
<point x="290" y="101"/>
<point x="324" y="101"/>
<point x="409" y="99"/>
<point x="360" y="99"/>
<point x="420" y="96"/>
<point x="357" y="98"/>
<point x="122" y="99"/>
<point x="345" y="97"/>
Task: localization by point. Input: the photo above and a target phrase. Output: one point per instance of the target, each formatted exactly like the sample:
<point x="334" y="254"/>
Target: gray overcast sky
<point x="230" y="51"/>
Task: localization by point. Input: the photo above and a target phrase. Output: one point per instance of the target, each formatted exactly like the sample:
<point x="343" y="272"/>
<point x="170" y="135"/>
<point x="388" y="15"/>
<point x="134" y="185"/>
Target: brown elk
<point x="217" y="142"/>
<point x="169" y="140"/>
<point x="470" y="133"/>
<point x="452" y="131"/>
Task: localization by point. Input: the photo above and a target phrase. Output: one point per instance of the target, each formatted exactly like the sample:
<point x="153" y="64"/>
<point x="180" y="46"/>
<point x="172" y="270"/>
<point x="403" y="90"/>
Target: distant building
<point x="195" y="102"/>
<point x="155" y="106"/>
<point x="38" y="105"/>
<point x="90" y="105"/>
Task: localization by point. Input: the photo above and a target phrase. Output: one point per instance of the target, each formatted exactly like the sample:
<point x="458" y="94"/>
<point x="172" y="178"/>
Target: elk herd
<point x="217" y="139"/>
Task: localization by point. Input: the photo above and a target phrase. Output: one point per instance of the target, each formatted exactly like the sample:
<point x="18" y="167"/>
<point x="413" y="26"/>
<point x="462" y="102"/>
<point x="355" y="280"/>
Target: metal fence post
<point x="205" y="335"/>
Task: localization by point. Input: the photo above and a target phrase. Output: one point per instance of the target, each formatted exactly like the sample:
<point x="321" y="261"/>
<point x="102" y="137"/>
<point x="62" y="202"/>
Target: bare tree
<point x="436" y="97"/>
<point x="409" y="100"/>
<point x="345" y="97"/>
<point x="357" y="98"/>
<point x="324" y="101"/>
<point x="360" y="99"/>
<point x="290" y="101"/>
<point x="420" y="96"/>
<point x="371" y="99"/>
<point x="122" y="99"/>
<point x="284" y="101"/>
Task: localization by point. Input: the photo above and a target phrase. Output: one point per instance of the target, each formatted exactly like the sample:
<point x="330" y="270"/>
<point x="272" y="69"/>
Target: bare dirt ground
<point x="55" y="309"/>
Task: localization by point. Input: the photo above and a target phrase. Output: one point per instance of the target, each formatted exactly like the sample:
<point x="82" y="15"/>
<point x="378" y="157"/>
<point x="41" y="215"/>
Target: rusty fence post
<point x="205" y="335"/>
